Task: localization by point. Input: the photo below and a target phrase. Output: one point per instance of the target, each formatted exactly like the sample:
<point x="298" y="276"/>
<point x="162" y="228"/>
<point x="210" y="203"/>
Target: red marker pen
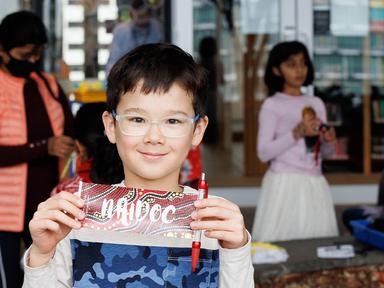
<point x="196" y="243"/>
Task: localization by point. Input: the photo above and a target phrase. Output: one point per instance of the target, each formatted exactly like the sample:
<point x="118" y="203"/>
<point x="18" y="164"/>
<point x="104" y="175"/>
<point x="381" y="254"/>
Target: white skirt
<point x="294" y="206"/>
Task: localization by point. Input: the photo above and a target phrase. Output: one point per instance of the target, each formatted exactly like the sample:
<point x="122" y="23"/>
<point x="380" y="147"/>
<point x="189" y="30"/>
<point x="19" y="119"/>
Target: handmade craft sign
<point x="149" y="212"/>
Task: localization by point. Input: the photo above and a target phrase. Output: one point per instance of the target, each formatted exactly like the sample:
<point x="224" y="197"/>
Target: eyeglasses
<point x="135" y="124"/>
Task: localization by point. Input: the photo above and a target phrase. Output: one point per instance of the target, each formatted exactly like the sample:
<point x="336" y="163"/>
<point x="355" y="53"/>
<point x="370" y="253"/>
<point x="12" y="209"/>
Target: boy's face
<point x="153" y="160"/>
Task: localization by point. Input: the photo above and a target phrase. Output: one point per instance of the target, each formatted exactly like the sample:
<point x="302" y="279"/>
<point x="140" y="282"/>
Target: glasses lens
<point x="134" y="125"/>
<point x="173" y="127"/>
<point x="176" y="126"/>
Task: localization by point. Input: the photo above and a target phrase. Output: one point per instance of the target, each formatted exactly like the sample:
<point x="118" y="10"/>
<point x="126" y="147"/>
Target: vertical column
<point x="8" y="7"/>
<point x="304" y="28"/>
<point x="296" y="21"/>
<point x="367" y="142"/>
<point x="90" y="38"/>
<point x="304" y="12"/>
<point x="182" y="24"/>
<point x="250" y="119"/>
<point x="288" y="17"/>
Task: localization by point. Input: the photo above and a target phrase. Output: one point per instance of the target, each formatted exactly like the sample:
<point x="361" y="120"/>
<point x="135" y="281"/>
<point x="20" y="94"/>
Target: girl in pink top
<point x="295" y="202"/>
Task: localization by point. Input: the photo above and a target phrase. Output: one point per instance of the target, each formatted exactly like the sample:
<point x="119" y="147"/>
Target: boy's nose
<point x="154" y="135"/>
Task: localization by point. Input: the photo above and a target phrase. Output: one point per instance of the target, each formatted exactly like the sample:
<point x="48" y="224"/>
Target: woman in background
<point x="35" y="133"/>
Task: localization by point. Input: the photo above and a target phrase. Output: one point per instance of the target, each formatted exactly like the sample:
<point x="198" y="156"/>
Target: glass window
<point x="349" y="71"/>
<point x="223" y="147"/>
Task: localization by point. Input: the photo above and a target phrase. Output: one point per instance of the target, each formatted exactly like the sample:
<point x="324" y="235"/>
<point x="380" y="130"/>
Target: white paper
<point x="338" y="252"/>
<point x="269" y="256"/>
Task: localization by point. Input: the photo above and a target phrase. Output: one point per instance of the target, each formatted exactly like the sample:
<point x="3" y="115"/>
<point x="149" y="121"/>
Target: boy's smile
<point x="153" y="160"/>
<point x="152" y="155"/>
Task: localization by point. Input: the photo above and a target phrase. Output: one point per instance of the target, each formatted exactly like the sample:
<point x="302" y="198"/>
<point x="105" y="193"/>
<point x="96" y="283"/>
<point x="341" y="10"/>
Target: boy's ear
<point x="276" y="71"/>
<point x="109" y="126"/>
<point x="198" y="133"/>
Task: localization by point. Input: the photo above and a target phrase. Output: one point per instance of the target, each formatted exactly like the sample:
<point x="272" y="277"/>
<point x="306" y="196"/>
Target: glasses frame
<point x="118" y="118"/>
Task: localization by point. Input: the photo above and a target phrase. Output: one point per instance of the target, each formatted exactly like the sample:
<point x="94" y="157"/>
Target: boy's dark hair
<point x="280" y="53"/>
<point x="159" y="66"/>
<point x="22" y="28"/>
<point x="107" y="167"/>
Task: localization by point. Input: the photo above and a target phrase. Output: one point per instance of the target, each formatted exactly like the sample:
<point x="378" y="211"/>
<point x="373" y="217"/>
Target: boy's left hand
<point x="329" y="135"/>
<point x="221" y="220"/>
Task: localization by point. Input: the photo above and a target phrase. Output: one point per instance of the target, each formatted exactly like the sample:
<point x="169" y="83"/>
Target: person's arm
<point x="236" y="268"/>
<point x="269" y="147"/>
<point x="59" y="146"/>
<point x="48" y="260"/>
<point x="17" y="154"/>
<point x="222" y="220"/>
<point x="13" y="155"/>
<point x="56" y="273"/>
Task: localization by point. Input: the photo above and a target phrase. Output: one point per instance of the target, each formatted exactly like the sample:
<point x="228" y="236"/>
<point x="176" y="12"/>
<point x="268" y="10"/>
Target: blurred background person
<point x="366" y="212"/>
<point x="97" y="159"/>
<point x="208" y="58"/>
<point x="192" y="168"/>
<point x="35" y="128"/>
<point x="295" y="202"/>
<point x="143" y="28"/>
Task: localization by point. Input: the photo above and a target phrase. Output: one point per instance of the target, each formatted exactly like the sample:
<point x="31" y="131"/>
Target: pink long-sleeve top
<point x="279" y="115"/>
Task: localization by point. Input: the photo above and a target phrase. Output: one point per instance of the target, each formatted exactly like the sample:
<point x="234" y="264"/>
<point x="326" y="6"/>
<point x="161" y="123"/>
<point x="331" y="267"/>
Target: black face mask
<point x="20" y="68"/>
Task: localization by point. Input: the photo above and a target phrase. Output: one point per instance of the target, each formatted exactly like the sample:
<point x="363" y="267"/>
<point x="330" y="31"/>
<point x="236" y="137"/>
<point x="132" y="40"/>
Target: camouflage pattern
<point x="117" y="265"/>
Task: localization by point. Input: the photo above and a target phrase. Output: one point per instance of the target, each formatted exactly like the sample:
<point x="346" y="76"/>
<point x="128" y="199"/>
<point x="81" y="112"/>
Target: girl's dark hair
<point x="22" y="28"/>
<point x="107" y="167"/>
<point x="280" y="53"/>
<point x="159" y="66"/>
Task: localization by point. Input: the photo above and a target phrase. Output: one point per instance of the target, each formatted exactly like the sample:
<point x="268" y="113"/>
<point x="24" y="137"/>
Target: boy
<point x="154" y="116"/>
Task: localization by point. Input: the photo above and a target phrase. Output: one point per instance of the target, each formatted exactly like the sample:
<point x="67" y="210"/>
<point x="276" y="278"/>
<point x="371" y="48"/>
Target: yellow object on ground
<point x="91" y="91"/>
<point x="263" y="252"/>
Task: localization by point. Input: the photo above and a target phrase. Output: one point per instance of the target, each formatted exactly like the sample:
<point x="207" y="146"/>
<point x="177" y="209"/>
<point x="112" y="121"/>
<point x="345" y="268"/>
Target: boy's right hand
<point x="51" y="223"/>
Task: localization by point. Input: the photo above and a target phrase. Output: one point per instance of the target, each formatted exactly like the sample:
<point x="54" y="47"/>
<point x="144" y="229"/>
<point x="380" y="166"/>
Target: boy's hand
<point x="51" y="223"/>
<point x="222" y="220"/>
